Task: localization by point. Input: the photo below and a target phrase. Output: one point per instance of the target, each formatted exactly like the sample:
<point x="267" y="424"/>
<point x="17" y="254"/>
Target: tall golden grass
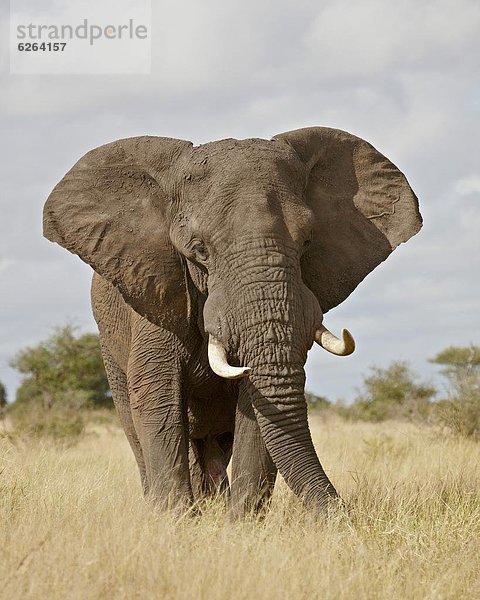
<point x="73" y="524"/>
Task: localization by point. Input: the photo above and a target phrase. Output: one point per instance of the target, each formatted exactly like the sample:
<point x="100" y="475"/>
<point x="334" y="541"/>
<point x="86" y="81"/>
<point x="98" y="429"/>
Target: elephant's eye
<point x="307" y="243"/>
<point x="199" y="251"/>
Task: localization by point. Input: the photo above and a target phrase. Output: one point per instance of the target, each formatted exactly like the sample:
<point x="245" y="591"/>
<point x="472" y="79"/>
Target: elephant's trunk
<point x="275" y="348"/>
<point x="267" y="318"/>
<point x="279" y="402"/>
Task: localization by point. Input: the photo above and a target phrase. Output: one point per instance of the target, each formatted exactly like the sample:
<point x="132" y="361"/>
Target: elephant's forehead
<point x="241" y="158"/>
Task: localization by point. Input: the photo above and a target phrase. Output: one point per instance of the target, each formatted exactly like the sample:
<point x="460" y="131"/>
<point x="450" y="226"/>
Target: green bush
<point x="58" y="422"/>
<point x="317" y="402"/>
<point x="460" y="410"/>
<point x="3" y="401"/>
<point x="63" y="367"/>
<point x="3" y="396"/>
<point x="63" y="380"/>
<point x="391" y="393"/>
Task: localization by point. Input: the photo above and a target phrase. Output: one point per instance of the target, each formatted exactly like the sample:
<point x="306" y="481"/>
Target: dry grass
<point x="73" y="525"/>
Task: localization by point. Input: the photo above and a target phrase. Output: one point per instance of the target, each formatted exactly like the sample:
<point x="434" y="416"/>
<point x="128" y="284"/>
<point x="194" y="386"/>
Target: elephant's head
<point x="253" y="240"/>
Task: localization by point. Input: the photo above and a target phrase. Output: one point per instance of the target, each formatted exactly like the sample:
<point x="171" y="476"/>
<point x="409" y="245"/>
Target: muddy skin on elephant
<point x="214" y="265"/>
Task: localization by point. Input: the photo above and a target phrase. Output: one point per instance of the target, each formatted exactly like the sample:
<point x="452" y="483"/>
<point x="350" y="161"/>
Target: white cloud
<point x="375" y="37"/>
<point x="400" y="74"/>
<point x="468" y="185"/>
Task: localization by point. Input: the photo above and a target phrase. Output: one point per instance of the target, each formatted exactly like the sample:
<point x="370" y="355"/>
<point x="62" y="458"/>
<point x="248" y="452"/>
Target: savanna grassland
<point x="74" y="524"/>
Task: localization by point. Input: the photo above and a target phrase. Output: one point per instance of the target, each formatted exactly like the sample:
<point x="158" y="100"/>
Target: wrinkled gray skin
<point x="249" y="241"/>
<point x="153" y="383"/>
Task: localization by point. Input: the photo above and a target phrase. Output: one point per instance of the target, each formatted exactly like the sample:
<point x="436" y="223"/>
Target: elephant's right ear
<point x="112" y="210"/>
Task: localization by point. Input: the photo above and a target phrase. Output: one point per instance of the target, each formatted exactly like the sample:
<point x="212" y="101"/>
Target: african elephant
<point x="214" y="265"/>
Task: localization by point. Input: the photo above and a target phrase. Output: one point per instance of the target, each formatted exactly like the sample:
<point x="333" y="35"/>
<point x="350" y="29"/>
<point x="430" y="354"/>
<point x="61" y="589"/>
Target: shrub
<point x="3" y="396"/>
<point x="391" y="393"/>
<point x="63" y="379"/>
<point x="317" y="402"/>
<point x="460" y="411"/>
<point x="3" y="400"/>
<point x="63" y="367"/>
<point x="57" y="422"/>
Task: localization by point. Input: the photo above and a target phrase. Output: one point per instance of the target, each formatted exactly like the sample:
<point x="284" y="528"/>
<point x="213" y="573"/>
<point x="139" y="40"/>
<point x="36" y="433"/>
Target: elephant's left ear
<point x="363" y="206"/>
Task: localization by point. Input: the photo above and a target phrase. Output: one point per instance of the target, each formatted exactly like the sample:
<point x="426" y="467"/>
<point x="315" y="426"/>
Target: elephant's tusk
<point x="331" y="343"/>
<point x="217" y="357"/>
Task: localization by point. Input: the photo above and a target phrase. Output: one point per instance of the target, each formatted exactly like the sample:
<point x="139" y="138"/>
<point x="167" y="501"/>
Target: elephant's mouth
<point x="217" y="354"/>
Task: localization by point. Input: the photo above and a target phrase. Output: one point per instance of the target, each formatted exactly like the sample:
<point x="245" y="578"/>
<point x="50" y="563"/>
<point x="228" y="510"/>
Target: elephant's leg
<point x="158" y="411"/>
<point x="197" y="476"/>
<point x="253" y="471"/>
<point x="117" y="381"/>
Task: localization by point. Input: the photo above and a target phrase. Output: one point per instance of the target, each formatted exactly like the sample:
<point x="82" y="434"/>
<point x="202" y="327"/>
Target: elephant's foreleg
<point x="196" y="471"/>
<point x="155" y="389"/>
<point x="117" y="381"/>
<point x="253" y="471"/>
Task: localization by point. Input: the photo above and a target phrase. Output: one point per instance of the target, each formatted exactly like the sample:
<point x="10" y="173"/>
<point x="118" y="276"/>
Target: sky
<point x="401" y="74"/>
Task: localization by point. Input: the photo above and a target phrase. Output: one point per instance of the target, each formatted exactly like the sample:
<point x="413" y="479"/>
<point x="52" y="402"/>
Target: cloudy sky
<point x="404" y="75"/>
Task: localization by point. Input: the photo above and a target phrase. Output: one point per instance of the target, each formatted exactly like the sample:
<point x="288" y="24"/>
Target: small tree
<point x="392" y="393"/>
<point x="461" y="409"/>
<point x="459" y="363"/>
<point x="317" y="402"/>
<point x="3" y="400"/>
<point x="64" y="369"/>
<point x="3" y="396"/>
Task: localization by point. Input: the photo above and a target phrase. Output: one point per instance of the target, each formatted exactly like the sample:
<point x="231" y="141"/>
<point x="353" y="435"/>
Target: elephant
<point x="213" y="267"/>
